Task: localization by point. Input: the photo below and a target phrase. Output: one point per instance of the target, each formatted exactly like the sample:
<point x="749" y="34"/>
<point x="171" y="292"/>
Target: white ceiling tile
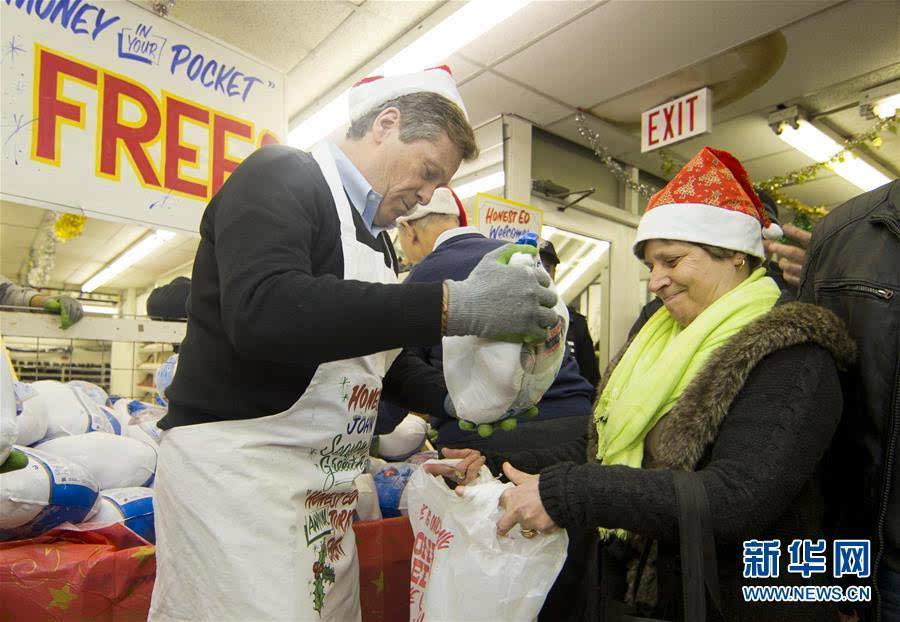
<point x="402" y="13"/>
<point x="21" y="215"/>
<point x="15" y="237"/>
<point x="524" y="26"/>
<point x="358" y="39"/>
<point x="838" y="44"/>
<point x="607" y="52"/>
<point x="278" y="32"/>
<point x="489" y="95"/>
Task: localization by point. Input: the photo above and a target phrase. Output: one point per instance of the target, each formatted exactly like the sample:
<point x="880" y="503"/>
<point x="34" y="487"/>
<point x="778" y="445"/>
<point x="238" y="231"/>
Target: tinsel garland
<point x="608" y="161"/>
<point x="42" y="256"/>
<point x="805" y="215"/>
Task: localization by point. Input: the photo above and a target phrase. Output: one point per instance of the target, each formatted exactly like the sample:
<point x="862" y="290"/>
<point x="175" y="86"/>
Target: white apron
<point x="254" y="517"/>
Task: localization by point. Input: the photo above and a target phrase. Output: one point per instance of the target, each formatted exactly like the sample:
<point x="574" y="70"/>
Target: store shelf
<point x="157" y="347"/>
<point x="30" y="371"/>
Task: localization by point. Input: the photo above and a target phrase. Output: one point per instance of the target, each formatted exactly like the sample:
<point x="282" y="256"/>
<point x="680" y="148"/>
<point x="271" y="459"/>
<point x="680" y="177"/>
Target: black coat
<point x="753" y="425"/>
<point x="853" y="269"/>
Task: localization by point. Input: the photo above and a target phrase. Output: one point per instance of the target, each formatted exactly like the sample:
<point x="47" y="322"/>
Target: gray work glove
<point x="68" y="308"/>
<point x="502" y="302"/>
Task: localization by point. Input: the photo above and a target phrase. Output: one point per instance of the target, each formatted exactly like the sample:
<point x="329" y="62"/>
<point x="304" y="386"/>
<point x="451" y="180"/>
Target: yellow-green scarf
<point x="662" y="361"/>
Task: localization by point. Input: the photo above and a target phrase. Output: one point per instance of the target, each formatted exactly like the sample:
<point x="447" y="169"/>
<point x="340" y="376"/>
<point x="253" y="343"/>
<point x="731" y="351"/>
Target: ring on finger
<point x="528" y="533"/>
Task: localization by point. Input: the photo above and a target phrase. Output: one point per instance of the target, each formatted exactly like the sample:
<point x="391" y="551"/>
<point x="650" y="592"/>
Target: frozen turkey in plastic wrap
<point x="39" y="491"/>
<point x="133" y="507"/>
<point x="490" y="380"/>
<point x="114" y="461"/>
<point x="70" y="411"/>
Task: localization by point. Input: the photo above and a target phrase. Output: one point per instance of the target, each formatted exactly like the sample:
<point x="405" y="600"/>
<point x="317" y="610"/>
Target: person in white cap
<point x="294" y="318"/>
<point x="436" y="239"/>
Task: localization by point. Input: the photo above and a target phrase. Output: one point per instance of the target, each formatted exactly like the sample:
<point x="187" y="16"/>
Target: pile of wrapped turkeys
<point x="70" y="453"/>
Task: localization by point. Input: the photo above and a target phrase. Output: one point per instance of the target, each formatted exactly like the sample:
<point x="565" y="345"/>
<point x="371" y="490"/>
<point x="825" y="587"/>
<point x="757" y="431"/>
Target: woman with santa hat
<point x="708" y="431"/>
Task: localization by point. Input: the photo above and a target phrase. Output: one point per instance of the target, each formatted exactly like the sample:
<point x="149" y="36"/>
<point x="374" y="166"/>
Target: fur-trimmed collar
<point x="692" y="425"/>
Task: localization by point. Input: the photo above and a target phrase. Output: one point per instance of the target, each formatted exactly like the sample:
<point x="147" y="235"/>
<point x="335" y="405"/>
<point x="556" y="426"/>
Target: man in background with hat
<point x="436" y="239"/>
<point x="579" y="335"/>
<point x="293" y="312"/>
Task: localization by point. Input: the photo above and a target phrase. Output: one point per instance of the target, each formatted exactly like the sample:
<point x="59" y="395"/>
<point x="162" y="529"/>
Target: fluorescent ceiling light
<point x="887" y="107"/>
<point x="100" y="309"/>
<point x="464" y="26"/>
<point x="489" y="182"/>
<point x="127" y="259"/>
<point x="812" y="141"/>
<point x="471" y="21"/>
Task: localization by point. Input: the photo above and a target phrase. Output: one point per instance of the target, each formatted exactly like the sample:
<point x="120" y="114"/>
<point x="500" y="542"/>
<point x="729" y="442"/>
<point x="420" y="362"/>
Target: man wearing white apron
<point x="293" y="316"/>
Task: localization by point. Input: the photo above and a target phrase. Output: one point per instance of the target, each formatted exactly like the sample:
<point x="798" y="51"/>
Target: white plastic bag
<point x="44" y="492"/>
<point x="114" y="461"/>
<point x="461" y="569"/>
<point x="490" y="380"/>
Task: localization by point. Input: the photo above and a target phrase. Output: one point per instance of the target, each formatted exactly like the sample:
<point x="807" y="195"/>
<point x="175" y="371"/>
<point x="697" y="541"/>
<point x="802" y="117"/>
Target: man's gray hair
<point x="424" y="116"/>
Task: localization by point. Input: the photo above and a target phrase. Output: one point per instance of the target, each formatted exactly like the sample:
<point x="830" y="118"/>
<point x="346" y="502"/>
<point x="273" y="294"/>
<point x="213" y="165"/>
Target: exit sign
<point x="674" y="121"/>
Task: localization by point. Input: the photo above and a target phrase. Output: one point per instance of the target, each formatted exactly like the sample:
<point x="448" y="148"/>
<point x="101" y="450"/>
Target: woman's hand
<point x="465" y="471"/>
<point x="523" y="504"/>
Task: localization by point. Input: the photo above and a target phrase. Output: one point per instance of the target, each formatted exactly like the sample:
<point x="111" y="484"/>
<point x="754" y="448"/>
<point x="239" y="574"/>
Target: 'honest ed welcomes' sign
<point x="501" y="219"/>
<point x="111" y="110"/>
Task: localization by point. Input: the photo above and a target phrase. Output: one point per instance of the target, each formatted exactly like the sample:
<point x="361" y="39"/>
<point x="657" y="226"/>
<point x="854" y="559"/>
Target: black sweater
<point x="758" y="474"/>
<point x="268" y="299"/>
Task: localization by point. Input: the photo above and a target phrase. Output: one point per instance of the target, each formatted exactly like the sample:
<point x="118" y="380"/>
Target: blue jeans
<point x="889" y="588"/>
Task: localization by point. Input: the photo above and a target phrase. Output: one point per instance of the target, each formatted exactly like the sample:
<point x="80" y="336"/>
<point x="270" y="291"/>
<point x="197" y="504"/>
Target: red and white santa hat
<point x="443" y="201"/>
<point x="375" y="90"/>
<point x="710" y="201"/>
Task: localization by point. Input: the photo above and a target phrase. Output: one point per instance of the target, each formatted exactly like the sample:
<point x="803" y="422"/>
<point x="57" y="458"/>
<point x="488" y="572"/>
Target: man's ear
<point x="387" y="121"/>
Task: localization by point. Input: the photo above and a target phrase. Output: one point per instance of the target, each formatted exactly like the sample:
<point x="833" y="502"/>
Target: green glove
<point x="68" y="308"/>
<point x="503" y="302"/>
<point x="15" y="461"/>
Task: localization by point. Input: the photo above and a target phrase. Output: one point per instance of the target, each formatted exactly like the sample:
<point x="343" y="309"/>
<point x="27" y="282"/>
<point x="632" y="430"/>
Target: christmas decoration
<point x="805" y="216"/>
<point x="606" y="158"/>
<point x="162" y="7"/>
<point x="68" y="226"/>
<point x="42" y="255"/>
<point x="322" y="573"/>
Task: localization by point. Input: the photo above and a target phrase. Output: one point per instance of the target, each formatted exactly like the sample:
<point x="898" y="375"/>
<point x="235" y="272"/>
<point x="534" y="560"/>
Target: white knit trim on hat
<point x="368" y="95"/>
<point x="702" y="224"/>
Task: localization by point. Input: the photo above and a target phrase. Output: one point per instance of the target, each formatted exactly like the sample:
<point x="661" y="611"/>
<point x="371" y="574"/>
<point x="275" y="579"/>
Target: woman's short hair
<point x="716" y="252"/>
<point x="423" y="116"/>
